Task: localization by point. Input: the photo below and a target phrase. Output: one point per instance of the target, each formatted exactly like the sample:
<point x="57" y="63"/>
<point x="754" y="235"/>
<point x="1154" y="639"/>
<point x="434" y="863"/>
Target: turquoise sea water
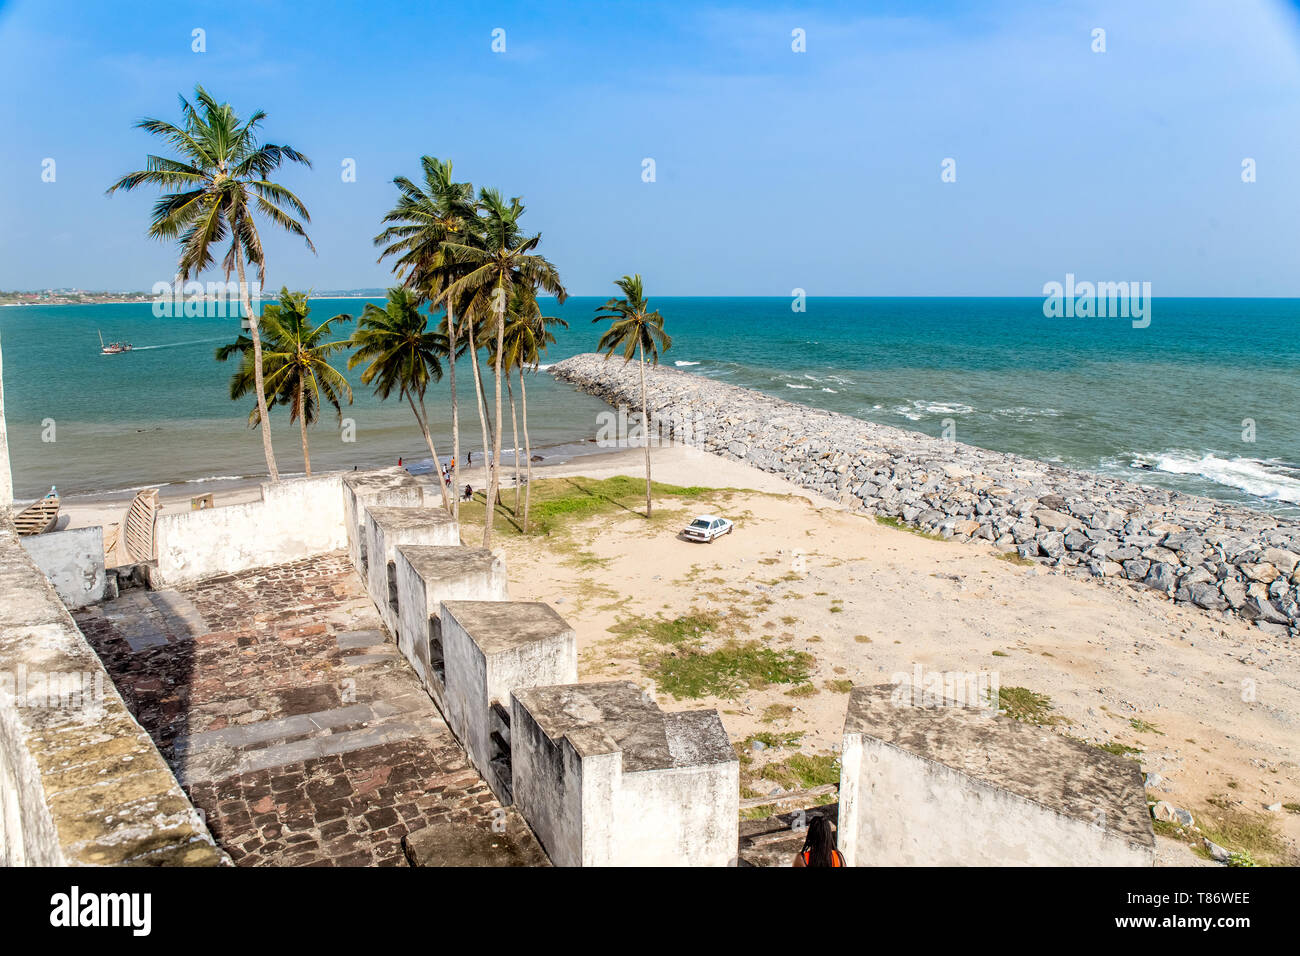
<point x="1163" y="404"/>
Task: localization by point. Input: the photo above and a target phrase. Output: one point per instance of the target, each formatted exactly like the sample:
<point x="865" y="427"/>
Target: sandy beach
<point x="1209" y="707"/>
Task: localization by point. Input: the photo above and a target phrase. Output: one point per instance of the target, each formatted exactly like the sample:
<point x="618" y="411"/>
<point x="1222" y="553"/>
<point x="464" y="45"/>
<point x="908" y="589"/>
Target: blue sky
<point x="775" y="169"/>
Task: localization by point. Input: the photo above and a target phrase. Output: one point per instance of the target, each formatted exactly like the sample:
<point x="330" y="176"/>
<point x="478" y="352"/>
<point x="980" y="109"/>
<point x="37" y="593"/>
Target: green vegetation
<point x="1143" y="727"/>
<point x="774" y="712"/>
<point x="684" y="627"/>
<point x="1014" y="557"/>
<point x="1251" y="838"/>
<point x="802" y="771"/>
<point x="211" y="189"/>
<point x="1024" y="705"/>
<point x="903" y="526"/>
<point x="727" y="671"/>
<point x="1119" y="749"/>
<point x="839" y="686"/>
<point x="802" y="690"/>
<point x="634" y="331"/>
<point x="559" y="503"/>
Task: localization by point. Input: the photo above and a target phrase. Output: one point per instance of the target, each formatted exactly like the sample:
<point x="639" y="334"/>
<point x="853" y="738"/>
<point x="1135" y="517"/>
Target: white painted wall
<point x="477" y="679"/>
<point x="548" y="785"/>
<point x="73" y="560"/>
<point x="388" y="487"/>
<point x="900" y="809"/>
<point x="295" y="519"/>
<point x="383" y="531"/>
<point x="420" y="603"/>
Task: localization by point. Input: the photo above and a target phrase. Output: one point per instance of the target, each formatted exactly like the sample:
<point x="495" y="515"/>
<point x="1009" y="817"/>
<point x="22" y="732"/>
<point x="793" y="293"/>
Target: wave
<point x="796" y="385"/>
<point x="176" y="345"/>
<point x="684" y="364"/>
<point x="918" y="409"/>
<point x="1270" y="480"/>
<point x="1024" y="413"/>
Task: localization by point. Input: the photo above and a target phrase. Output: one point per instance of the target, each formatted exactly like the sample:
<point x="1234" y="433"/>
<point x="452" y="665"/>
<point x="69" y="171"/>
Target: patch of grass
<point x="789" y="619"/>
<point x="558" y="503"/>
<point x="802" y="690"/>
<point x="862" y="638"/>
<point x="1001" y="654"/>
<point x="802" y="771"/>
<point x="772" y="738"/>
<point x="836" y="609"/>
<point x="678" y="630"/>
<point x="1291" y="807"/>
<point x="901" y="525"/>
<point x="1014" y="557"/>
<point x="1119" y="749"/>
<point x="1024" y="705"/>
<point x="774" y="712"/>
<point x="1143" y="727"/>
<point x="1252" y="838"/>
<point x="727" y="671"/>
<point x="839" y="686"/>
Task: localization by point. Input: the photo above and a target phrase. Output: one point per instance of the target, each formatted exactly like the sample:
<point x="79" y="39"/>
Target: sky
<point x="775" y="170"/>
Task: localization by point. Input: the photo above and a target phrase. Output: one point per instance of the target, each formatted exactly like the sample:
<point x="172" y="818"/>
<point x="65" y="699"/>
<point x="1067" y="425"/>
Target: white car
<point x="707" y="527"/>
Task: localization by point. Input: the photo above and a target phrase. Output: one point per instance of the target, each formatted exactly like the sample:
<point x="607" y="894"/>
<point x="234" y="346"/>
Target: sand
<point x="1222" y="697"/>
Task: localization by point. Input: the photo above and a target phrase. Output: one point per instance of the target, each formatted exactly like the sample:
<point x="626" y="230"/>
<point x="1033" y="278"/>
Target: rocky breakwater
<point x="1219" y="557"/>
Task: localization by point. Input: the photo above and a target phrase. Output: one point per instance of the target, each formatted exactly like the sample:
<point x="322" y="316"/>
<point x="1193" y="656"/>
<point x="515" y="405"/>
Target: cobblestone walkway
<point x="288" y="715"/>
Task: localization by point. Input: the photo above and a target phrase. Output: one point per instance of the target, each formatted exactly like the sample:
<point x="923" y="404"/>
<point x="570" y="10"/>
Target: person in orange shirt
<point x="819" y="846"/>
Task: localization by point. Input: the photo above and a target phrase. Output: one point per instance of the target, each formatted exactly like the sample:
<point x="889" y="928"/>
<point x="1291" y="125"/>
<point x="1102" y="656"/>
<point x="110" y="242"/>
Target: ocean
<point x="1205" y="399"/>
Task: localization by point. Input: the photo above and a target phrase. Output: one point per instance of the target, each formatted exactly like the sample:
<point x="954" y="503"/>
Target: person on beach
<point x="819" y="846"/>
<point x="399" y="461"/>
<point x="469" y="493"/>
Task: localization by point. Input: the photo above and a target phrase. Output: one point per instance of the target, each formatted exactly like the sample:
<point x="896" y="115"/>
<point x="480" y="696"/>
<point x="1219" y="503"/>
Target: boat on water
<point x="112" y="348"/>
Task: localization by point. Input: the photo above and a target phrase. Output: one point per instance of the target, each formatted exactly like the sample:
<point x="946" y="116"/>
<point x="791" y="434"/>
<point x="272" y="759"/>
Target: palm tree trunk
<point x="422" y="416"/>
<point x="528" y="450"/>
<point x="302" y="421"/>
<point x="496" y="437"/>
<point x="514" y="432"/>
<point x="645" y="427"/>
<point x="455" y="418"/>
<point x="482" y="418"/>
<point x="247" y="302"/>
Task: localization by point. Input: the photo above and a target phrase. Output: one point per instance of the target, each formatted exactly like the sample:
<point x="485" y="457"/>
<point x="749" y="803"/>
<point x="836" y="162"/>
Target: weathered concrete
<point x="961" y="786"/>
<point x="384" y="487"/>
<point x="80" y="782"/>
<point x="427" y="576"/>
<point x="605" y="778"/>
<point x="74" y="563"/>
<point x="387" y="527"/>
<point x="491" y="649"/>
<point x="296" y="518"/>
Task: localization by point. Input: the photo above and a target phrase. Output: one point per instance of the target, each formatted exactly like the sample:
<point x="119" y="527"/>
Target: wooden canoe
<point x="139" y="526"/>
<point x="38" y="517"/>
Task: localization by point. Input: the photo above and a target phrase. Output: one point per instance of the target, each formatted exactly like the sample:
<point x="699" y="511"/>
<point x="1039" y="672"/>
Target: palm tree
<point x="212" y="192"/>
<point x="496" y="259"/>
<point x="295" y="365"/>
<point x="637" y="331"/>
<point x="422" y="220"/>
<point x="527" y="335"/>
<point x="404" y="354"/>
